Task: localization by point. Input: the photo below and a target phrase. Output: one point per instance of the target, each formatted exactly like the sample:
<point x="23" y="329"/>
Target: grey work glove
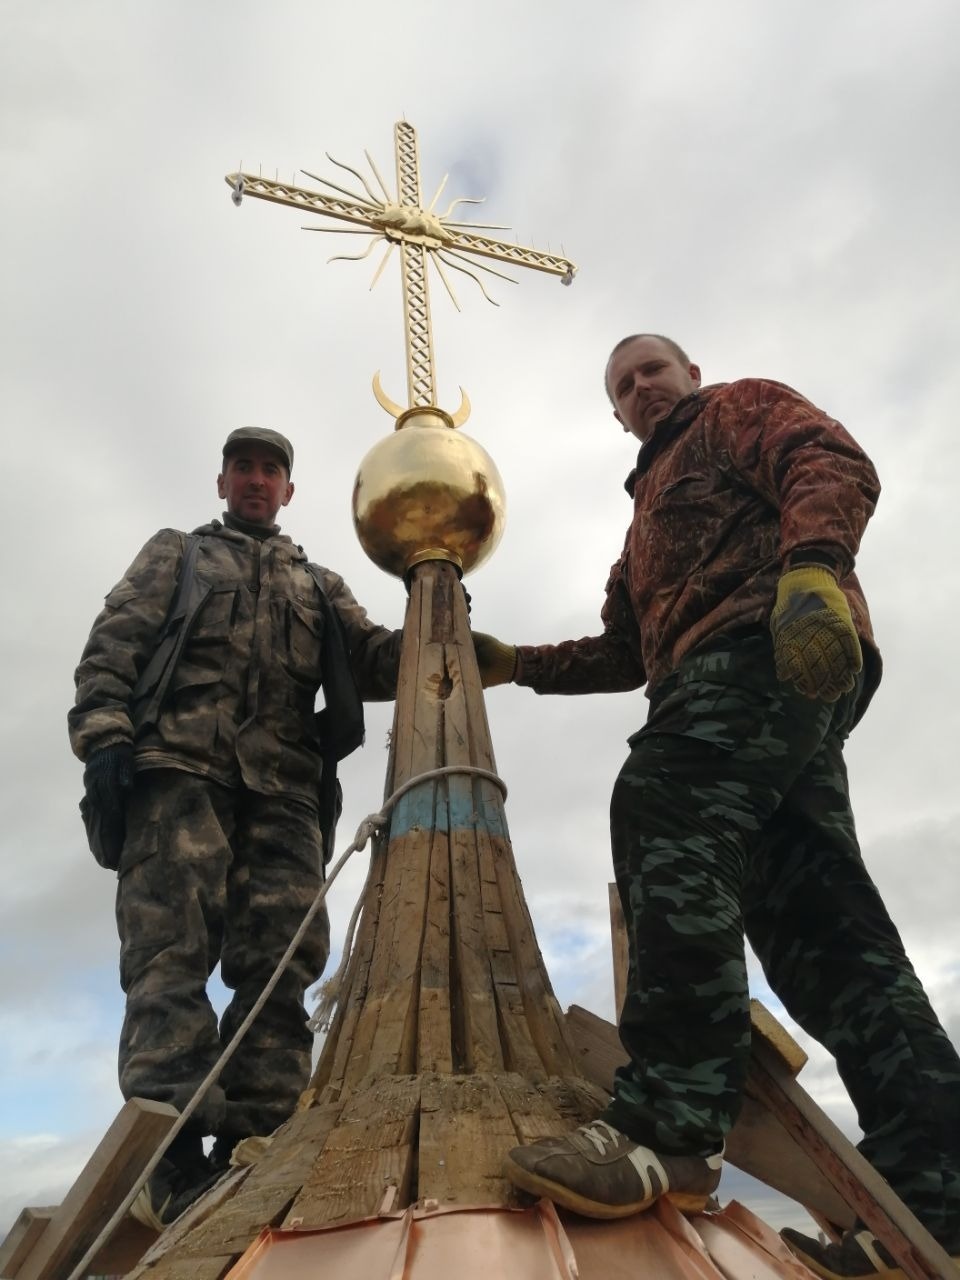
<point x="497" y="661"/>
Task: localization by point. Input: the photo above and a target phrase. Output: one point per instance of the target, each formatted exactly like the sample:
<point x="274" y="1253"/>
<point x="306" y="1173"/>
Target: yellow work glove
<point x="815" y="643"/>
<point x="497" y="661"/>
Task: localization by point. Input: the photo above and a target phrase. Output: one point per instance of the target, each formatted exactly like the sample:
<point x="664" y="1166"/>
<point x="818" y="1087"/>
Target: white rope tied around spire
<point x="369" y="827"/>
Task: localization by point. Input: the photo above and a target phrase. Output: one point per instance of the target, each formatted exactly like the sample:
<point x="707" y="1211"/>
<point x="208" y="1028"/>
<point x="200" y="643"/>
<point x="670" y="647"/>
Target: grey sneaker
<point x="599" y="1172"/>
<point x="859" y="1254"/>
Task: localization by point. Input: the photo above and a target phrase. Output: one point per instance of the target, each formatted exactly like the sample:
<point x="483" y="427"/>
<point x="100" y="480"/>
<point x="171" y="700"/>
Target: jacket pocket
<point x="302" y="640"/>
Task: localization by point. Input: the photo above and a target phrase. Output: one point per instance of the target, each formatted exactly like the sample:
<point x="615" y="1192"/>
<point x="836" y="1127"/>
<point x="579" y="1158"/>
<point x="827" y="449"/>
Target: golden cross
<point x="420" y="234"/>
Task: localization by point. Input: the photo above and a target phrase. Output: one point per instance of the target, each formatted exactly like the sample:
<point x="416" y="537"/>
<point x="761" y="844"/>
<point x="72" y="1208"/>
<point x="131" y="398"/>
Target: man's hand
<point x="497" y="661"/>
<point x="815" y="644"/>
<point x="108" y="777"/>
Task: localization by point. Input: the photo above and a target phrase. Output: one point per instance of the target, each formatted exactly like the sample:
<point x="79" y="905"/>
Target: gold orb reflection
<point x="428" y="492"/>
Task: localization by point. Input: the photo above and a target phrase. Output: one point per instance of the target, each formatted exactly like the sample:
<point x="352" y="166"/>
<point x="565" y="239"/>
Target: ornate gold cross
<point x="420" y="233"/>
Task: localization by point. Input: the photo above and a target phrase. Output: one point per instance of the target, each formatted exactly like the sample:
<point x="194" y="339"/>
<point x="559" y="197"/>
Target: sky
<point x="772" y="185"/>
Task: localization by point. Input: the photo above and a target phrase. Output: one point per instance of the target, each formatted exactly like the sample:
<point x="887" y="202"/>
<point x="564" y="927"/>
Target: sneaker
<point x="859" y="1254"/>
<point x="599" y="1172"/>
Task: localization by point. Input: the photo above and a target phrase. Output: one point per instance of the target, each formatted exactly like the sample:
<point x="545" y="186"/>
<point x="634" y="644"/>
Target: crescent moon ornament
<point x="395" y="411"/>
<point x="383" y="400"/>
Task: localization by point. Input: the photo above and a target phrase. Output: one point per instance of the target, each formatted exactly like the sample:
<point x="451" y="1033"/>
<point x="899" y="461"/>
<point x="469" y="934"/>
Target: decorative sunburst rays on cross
<point x="394" y="221"/>
<point x="420" y="234"/>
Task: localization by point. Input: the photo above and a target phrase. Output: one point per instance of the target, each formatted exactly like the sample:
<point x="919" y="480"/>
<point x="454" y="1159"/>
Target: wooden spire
<point x="449" y="1045"/>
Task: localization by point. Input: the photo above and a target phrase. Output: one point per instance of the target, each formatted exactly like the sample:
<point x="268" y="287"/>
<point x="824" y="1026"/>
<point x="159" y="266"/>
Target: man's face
<point x="255" y="484"/>
<point x="645" y="380"/>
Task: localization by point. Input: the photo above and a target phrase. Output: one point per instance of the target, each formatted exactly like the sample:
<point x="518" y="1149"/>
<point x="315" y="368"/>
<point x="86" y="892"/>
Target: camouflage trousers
<point x="732" y="816"/>
<point x="213" y="874"/>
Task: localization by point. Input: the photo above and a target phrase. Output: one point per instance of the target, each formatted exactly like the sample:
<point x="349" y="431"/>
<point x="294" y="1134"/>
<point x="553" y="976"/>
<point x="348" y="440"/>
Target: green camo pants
<point x="213" y="874"/>
<point x="731" y="816"/>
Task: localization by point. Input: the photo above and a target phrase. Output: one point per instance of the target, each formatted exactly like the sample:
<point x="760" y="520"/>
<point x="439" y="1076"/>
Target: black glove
<point x="108" y="777"/>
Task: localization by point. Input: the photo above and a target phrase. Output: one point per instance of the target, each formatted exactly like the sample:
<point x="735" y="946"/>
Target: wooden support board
<point x="371" y="1147"/>
<point x="22" y="1238"/>
<point x="854" y="1178"/>
<point x="108" y="1175"/>
<point x="621" y="956"/>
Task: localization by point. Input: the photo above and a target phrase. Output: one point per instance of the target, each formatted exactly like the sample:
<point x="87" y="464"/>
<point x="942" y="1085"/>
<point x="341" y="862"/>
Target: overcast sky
<point x="775" y="185"/>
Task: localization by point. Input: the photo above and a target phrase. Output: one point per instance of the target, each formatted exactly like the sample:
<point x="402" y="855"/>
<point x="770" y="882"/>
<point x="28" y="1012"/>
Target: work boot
<point x="179" y="1179"/>
<point x="220" y="1153"/>
<point x="859" y="1254"/>
<point x="601" y="1173"/>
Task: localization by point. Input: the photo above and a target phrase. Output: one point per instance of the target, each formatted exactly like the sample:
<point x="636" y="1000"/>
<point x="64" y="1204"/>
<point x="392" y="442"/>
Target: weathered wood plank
<point x="371" y="1147"/>
<point x="842" y="1164"/>
<point x="621" y="947"/>
<point x="574" y="1099"/>
<point x="435" y="1031"/>
<point x="597" y="1046"/>
<point x="480" y="750"/>
<point x="543" y="1014"/>
<point x="767" y="1030"/>
<point x="269" y="1188"/>
<point x="123" y="1250"/>
<point x="416" y="627"/>
<point x="533" y="1116"/>
<point x="477" y="1003"/>
<point x="760" y="1145"/>
<point x="384" y="1039"/>
<point x="210" y="1268"/>
<point x="465" y="1130"/>
<point x="119" y="1159"/>
<point x="338" y="1047"/>
<point x="385" y="1035"/>
<point x="519" y="1049"/>
<point x="22" y="1238"/>
<point x="169" y="1247"/>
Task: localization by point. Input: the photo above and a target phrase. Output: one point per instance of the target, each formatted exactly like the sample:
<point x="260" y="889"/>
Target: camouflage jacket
<point x="239" y="706"/>
<point x="741" y="479"/>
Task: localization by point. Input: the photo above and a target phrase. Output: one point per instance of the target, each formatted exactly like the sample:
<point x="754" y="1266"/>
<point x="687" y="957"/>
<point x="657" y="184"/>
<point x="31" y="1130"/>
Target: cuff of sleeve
<point x="814" y="558"/>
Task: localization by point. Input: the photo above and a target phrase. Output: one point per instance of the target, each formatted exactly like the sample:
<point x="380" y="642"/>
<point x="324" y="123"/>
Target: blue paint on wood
<point x="448" y="806"/>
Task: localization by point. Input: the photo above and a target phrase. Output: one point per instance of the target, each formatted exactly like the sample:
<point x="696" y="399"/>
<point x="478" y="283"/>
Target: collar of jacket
<point x="258" y="531"/>
<point x="231" y="527"/>
<point x="666" y="431"/>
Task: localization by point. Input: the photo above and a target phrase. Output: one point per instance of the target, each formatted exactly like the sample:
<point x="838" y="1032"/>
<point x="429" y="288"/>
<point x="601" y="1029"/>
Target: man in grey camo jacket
<point x="194" y="716"/>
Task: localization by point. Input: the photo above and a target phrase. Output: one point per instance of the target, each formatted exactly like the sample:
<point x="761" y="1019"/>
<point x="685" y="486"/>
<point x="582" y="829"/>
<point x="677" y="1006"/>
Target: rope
<point x="329" y="993"/>
<point x="368" y="828"/>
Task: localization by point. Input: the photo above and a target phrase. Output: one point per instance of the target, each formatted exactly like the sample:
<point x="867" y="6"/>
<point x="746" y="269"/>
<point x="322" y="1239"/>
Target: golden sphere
<point x="428" y="492"/>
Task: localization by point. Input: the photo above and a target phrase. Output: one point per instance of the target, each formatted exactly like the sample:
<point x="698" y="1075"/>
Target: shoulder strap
<point x="155" y="677"/>
<point x="340" y="723"/>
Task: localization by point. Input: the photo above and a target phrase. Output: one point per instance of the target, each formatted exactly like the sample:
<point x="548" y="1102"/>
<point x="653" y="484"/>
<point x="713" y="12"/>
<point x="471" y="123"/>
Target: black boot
<point x="180" y="1178"/>
<point x="859" y="1255"/>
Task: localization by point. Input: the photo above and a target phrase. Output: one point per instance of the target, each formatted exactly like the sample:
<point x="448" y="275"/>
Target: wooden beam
<point x="108" y="1175"/>
<point x="372" y="1145"/>
<point x="465" y="1129"/>
<point x="123" y="1250"/>
<point x="22" y="1239"/>
<point x="621" y="951"/>
<point x="842" y="1164"/>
